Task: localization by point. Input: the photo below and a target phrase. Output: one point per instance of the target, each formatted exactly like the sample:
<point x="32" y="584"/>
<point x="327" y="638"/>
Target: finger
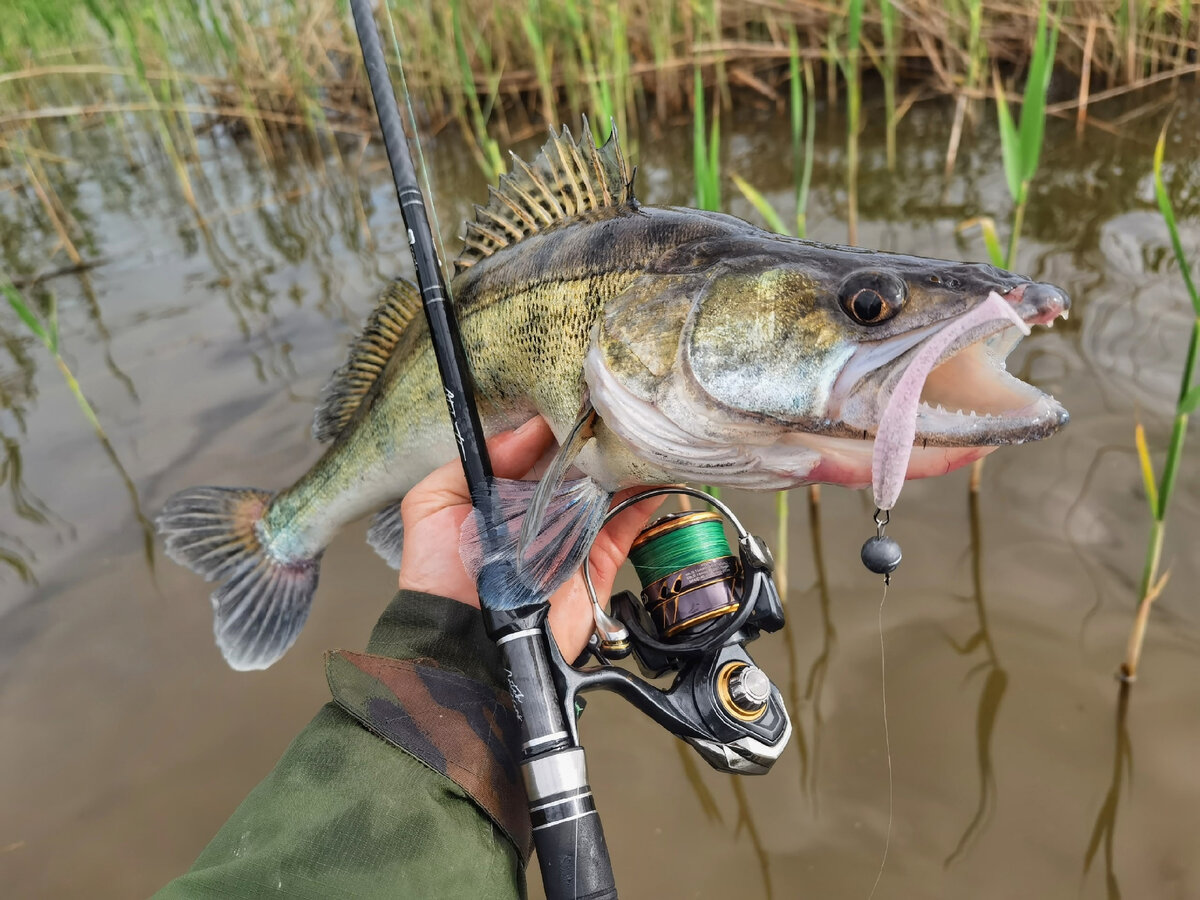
<point x="513" y="453"/>
<point x="571" y="620"/>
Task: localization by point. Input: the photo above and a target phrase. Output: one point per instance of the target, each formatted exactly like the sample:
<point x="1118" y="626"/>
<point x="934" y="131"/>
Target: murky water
<point x="126" y="741"/>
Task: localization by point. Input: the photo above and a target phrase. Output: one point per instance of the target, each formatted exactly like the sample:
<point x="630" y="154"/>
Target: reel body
<point x="699" y="606"/>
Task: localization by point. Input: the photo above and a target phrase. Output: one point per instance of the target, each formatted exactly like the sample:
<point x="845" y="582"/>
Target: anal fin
<point x="386" y="534"/>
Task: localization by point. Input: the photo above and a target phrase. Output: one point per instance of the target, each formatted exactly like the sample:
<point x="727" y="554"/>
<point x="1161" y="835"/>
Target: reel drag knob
<point x="744" y="690"/>
<point x="750" y="688"/>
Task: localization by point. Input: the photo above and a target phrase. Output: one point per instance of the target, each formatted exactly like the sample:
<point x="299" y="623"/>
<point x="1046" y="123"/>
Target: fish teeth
<point x="1066" y="314"/>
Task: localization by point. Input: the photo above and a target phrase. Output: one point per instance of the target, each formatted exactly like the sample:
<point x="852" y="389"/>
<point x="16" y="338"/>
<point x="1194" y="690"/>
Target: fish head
<point x="766" y="362"/>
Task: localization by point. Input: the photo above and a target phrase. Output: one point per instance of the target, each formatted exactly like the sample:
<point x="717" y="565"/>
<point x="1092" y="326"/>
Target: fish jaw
<point x="968" y="400"/>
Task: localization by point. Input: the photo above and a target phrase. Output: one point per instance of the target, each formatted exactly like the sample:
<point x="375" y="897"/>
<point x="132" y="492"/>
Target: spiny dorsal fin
<point x="567" y="179"/>
<point x="369" y="353"/>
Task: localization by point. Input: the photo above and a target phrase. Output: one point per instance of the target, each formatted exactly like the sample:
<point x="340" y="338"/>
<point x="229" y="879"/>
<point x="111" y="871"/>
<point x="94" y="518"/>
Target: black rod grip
<point x="573" y="857"/>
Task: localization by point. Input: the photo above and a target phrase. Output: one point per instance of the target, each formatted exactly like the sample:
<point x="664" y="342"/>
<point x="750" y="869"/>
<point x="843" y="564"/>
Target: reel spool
<point x="697" y="594"/>
<point x="689" y="576"/>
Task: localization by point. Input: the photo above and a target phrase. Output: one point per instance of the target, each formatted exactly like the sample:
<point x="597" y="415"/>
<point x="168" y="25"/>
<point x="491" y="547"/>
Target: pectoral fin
<point x="556" y="476"/>
<point x="543" y="530"/>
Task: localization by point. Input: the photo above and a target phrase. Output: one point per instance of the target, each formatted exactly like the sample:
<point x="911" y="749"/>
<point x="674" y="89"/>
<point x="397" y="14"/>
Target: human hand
<point x="434" y="512"/>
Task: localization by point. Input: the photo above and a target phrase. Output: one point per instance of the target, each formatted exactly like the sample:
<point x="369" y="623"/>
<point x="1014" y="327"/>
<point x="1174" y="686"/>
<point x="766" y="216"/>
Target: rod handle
<point x="567" y="833"/>
<point x="573" y="857"/>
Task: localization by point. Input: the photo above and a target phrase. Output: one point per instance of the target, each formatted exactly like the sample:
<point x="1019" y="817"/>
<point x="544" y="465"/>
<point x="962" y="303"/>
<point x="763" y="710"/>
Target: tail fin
<point x="263" y="602"/>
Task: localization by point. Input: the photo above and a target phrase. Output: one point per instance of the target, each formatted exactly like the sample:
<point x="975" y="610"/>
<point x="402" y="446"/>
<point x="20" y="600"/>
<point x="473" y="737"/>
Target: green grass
<point x="850" y="62"/>
<point x="273" y="66"/>
<point x="1021" y="152"/>
<point x="706" y="149"/>
<point x="1160" y="490"/>
<point x="706" y="163"/>
<point x="888" y="67"/>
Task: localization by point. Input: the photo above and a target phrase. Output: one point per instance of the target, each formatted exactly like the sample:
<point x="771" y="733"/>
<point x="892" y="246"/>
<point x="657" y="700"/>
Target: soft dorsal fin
<point x="567" y="178"/>
<point x="346" y="388"/>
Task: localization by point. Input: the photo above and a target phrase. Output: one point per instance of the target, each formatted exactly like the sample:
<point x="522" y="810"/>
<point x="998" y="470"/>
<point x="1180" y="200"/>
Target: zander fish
<point x="662" y="345"/>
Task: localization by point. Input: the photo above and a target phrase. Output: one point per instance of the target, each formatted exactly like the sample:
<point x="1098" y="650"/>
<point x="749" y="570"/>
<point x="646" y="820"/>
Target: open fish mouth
<point x="968" y="399"/>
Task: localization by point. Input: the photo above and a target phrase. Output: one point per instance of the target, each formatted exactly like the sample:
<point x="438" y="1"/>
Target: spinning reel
<point x="699" y="606"/>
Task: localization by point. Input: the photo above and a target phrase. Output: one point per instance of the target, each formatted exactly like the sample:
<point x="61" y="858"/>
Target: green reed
<point x="1021" y="141"/>
<point x="1158" y="492"/>
<point x="486" y="148"/>
<point x="972" y="12"/>
<point x="1021" y="144"/>
<point x="706" y="149"/>
<point x="543" y="62"/>
<point x="266" y="66"/>
<point x="888" y="68"/>
<point x="706" y="163"/>
<point x="1021" y="152"/>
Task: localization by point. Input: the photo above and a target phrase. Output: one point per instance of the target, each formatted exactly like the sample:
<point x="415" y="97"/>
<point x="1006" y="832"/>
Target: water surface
<point x="203" y="343"/>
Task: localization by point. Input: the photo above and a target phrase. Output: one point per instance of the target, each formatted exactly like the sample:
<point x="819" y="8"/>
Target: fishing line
<point x="679" y="543"/>
<point x="887" y="738"/>
<point x="422" y="168"/>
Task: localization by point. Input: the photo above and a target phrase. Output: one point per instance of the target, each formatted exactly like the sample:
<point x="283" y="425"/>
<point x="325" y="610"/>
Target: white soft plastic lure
<point x="898" y="424"/>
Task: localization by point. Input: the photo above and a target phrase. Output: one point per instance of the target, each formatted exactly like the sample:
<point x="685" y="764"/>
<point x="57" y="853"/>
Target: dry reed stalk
<point x="198" y="109"/>
<point x="1137" y="635"/>
<point x="1085" y="77"/>
<point x="54" y="211"/>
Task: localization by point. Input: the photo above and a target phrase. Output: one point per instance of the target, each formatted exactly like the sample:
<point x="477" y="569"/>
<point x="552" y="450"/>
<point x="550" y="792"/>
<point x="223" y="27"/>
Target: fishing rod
<point x="569" y="839"/>
<point x="699" y="606"/>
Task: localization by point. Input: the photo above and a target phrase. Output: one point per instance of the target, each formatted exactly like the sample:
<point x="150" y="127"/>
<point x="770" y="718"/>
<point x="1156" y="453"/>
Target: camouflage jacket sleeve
<point x="405" y="785"/>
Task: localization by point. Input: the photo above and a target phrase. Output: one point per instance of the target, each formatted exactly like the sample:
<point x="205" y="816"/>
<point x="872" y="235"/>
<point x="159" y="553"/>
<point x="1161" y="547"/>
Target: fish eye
<point x="870" y="298"/>
<point x="935" y="279"/>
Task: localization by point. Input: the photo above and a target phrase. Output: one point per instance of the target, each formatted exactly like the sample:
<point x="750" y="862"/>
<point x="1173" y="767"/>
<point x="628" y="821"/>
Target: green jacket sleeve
<point x="406" y="785"/>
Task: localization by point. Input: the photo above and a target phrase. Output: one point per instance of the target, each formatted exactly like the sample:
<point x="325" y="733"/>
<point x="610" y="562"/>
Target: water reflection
<point x="990" y="697"/>
<point x="275" y="233"/>
<point x="745" y="822"/>
<point x="14" y="553"/>
<point x="817" y="672"/>
<point x="1105" y="828"/>
<point x="691" y="771"/>
<point x="248" y="292"/>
